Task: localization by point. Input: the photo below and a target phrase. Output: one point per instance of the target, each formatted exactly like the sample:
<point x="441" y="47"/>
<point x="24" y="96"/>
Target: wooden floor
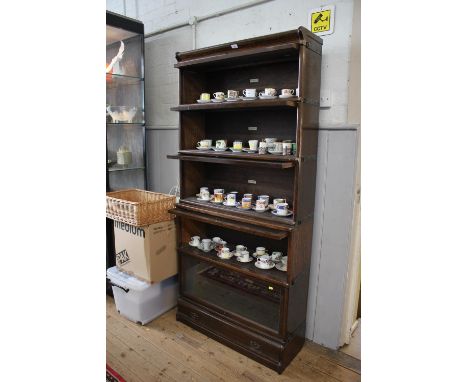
<point x="167" y="350"/>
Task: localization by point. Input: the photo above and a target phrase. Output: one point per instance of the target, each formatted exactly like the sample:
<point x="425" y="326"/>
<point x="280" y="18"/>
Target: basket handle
<point x="118" y="286"/>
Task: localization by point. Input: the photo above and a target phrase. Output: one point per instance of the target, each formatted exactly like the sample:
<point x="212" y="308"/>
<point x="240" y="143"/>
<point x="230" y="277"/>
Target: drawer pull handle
<point x="255" y="345"/>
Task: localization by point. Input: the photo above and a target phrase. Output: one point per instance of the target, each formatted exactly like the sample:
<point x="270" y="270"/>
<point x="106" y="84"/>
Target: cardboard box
<point x="148" y="252"/>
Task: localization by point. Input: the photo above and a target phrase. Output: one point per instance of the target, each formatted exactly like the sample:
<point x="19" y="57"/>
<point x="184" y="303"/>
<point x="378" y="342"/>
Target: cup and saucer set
<point x="280" y="207"/>
<point x="288" y="93"/>
<point x="266" y="261"/>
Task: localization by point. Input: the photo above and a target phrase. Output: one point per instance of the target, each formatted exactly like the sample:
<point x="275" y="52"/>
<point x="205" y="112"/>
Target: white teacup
<point x="287" y="92"/>
<point x="284" y="260"/>
<point x="250" y="92"/>
<point x="232" y="93"/>
<point x="260" y="251"/>
<point x="206" y="244"/>
<point x="220" y="143"/>
<point x="231" y="199"/>
<point x="268" y="92"/>
<point x="282" y="209"/>
<point x="276" y="256"/>
<point x="264" y="261"/>
<point x="195" y="240"/>
<point x="216" y="239"/>
<point x="244" y="256"/>
<point x="266" y="198"/>
<point x="225" y="252"/>
<point x="260" y="204"/>
<point x="297" y="92"/>
<point x="240" y="248"/>
<point x="262" y="147"/>
<point x="218" y="95"/>
<point x="205" y="143"/>
<point x="204" y="193"/>
<point x="278" y="200"/>
<point x="278" y="147"/>
<point x="253" y="144"/>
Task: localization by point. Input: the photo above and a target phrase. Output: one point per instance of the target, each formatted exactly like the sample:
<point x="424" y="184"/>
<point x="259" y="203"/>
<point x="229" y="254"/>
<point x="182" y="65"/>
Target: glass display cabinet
<point x="258" y="312"/>
<point x="125" y="114"/>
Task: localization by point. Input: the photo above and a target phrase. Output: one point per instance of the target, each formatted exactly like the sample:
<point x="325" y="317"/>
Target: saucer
<point x="281" y="267"/>
<point x="247" y="98"/>
<point x="242" y="208"/>
<point x="225" y="258"/>
<point x="276" y="214"/>
<point x="232" y="99"/>
<point x="230" y="205"/>
<point x="220" y="148"/>
<point x="286" y="96"/>
<point x="272" y="265"/>
<point x="235" y="150"/>
<point x="275" y="152"/>
<point x="217" y="100"/>
<point x="203" y="101"/>
<point x="204" y="148"/>
<point x="249" y="150"/>
<point x="253" y="208"/>
<point x="213" y="201"/>
<point x="267" y="97"/>
<point x="203" y="200"/>
<point x="243" y="261"/>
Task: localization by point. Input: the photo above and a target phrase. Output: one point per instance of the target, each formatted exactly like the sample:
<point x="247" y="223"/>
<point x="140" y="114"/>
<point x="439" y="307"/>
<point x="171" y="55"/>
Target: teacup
<point x="232" y="94"/>
<point x="260" y="204"/>
<point x="278" y="147"/>
<point x="195" y="240"/>
<point x="240" y="248"/>
<point x="250" y="92"/>
<point x="262" y="147"/>
<point x="276" y="256"/>
<point x="205" y="96"/>
<point x="253" y="144"/>
<point x="284" y="260"/>
<point x="237" y="145"/>
<point x="287" y="92"/>
<point x="205" y="143"/>
<point x="297" y="92"/>
<point x="218" y="195"/>
<point x="282" y="209"/>
<point x="278" y="200"/>
<point x="231" y="199"/>
<point x="264" y="197"/>
<point x="268" y="92"/>
<point x="221" y="144"/>
<point x="218" y="95"/>
<point x="216" y="239"/>
<point x="244" y="256"/>
<point x="260" y="251"/>
<point x="264" y="261"/>
<point x="287" y="148"/>
<point x="270" y="143"/>
<point x="246" y="202"/>
<point x="206" y="244"/>
<point x="224" y="252"/>
<point x="204" y="193"/>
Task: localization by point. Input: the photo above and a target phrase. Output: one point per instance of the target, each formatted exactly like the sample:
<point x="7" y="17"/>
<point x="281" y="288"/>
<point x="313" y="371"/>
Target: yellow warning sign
<point x="320" y="21"/>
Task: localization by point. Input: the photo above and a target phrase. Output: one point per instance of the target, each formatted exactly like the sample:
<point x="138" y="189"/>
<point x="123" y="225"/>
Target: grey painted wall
<point x="336" y="164"/>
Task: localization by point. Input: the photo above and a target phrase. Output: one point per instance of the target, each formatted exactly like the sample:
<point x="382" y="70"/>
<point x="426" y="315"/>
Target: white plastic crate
<point x="139" y="301"/>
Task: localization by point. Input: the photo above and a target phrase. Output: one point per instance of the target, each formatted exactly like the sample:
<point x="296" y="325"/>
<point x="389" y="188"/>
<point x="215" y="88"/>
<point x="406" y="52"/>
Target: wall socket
<point x="325" y="98"/>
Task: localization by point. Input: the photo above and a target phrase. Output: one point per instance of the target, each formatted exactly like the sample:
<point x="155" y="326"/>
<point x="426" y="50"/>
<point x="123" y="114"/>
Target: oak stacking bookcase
<point x="259" y="313"/>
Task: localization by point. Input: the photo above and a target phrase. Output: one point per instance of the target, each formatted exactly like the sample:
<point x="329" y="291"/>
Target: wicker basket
<point x="139" y="207"/>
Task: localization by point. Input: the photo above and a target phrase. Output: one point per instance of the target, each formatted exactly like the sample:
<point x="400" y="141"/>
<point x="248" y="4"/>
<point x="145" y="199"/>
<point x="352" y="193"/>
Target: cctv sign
<point x="322" y="20"/>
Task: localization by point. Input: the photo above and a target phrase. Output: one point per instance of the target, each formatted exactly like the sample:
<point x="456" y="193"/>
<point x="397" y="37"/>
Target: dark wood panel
<point x="231" y="222"/>
<point x="272" y="276"/>
<point x="232" y="161"/>
<point x="243" y="155"/>
<point x="189" y="103"/>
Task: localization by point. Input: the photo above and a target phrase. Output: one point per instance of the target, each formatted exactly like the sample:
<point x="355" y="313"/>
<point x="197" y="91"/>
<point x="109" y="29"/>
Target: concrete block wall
<point x="336" y="165"/>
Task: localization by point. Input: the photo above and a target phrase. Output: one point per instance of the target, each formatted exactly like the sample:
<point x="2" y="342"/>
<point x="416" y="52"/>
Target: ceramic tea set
<point x="279" y="207"/>
<point x="248" y="95"/>
<point x="241" y="253"/>
<point x="267" y="145"/>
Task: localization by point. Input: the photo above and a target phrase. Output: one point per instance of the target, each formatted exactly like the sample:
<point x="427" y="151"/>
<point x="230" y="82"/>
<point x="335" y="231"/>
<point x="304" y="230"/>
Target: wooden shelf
<point x="273" y="276"/>
<point x="242" y="159"/>
<point x="240" y="105"/>
<point x="265" y="219"/>
<point x="243" y="57"/>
